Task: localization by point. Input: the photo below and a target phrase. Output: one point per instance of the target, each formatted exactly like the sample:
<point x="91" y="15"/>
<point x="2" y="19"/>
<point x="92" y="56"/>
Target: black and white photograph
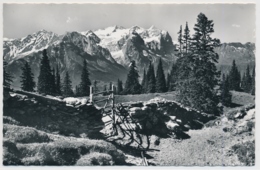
<point x="128" y="84"/>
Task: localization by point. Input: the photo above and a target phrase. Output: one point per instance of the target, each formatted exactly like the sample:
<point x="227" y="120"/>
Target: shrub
<point x="19" y="134"/>
<point x="11" y="155"/>
<point x="245" y="152"/>
<point x="95" y="158"/>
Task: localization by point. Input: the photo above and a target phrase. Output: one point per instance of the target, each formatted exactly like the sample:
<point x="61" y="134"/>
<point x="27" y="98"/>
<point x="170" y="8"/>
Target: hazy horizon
<point x="230" y="20"/>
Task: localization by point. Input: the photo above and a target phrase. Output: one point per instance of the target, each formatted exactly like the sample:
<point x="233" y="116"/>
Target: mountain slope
<point x="67" y="52"/>
<point x="139" y="44"/>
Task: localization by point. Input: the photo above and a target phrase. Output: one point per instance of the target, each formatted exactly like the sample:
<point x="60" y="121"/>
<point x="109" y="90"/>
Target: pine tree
<point x="151" y="82"/>
<point x="119" y="86"/>
<point x="243" y="81"/>
<point x="67" y="87"/>
<point x="234" y="76"/>
<point x="225" y="93"/>
<point x="27" y="82"/>
<point x="8" y="79"/>
<point x="132" y="85"/>
<point x="173" y="77"/>
<point x="186" y="37"/>
<point x="144" y="82"/>
<point x="160" y="78"/>
<point x="57" y="83"/>
<point x="168" y="82"/>
<point x="85" y="82"/>
<point x="45" y="76"/>
<point x="248" y="81"/>
<point x="77" y="91"/>
<point x="53" y="82"/>
<point x="180" y="39"/>
<point x="197" y="88"/>
<point x="253" y="82"/>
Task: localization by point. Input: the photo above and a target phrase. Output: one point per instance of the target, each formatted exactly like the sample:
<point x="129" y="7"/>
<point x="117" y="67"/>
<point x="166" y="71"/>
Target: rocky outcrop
<point x="53" y="115"/>
<point x="166" y="118"/>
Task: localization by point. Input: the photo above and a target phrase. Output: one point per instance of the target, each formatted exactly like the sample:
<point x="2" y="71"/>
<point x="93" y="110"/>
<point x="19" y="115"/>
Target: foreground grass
<point x="28" y="146"/>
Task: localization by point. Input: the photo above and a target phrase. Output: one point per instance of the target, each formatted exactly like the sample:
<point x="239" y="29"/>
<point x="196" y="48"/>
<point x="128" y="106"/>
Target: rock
<point x="172" y="117"/>
<point x="152" y="105"/>
<point x="171" y="125"/>
<point x="178" y="120"/>
<point x="240" y="115"/>
<point x="139" y="104"/>
<point x="187" y="126"/>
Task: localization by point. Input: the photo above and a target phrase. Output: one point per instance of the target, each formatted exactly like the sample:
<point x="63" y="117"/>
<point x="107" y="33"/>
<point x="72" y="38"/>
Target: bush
<point x="11" y="155"/>
<point x="95" y="158"/>
<point x="245" y="152"/>
<point x="19" y="134"/>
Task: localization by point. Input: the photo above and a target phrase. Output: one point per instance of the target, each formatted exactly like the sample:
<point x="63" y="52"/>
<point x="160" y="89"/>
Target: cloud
<point x="235" y="25"/>
<point x="68" y="20"/>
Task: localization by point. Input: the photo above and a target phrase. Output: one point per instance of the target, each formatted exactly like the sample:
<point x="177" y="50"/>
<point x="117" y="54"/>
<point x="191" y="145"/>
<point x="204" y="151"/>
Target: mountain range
<point x="108" y="52"/>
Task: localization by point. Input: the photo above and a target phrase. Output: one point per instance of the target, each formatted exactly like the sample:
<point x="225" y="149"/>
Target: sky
<point x="232" y="22"/>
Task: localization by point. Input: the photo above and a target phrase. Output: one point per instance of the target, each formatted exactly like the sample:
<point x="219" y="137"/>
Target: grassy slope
<point x="208" y="146"/>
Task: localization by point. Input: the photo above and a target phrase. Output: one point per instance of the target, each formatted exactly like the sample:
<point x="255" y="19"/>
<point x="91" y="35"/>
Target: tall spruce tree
<point x="95" y="86"/>
<point x="151" y="82"/>
<point x="248" y="81"/>
<point x="243" y="81"/>
<point x="53" y="82"/>
<point x="8" y="79"/>
<point x="253" y="82"/>
<point x="45" y="76"/>
<point x="132" y="85"/>
<point x="186" y="38"/>
<point x="234" y="77"/>
<point x="173" y="77"/>
<point x="119" y="86"/>
<point x="27" y="82"/>
<point x="180" y="40"/>
<point x="85" y="82"/>
<point x="225" y="93"/>
<point x="160" y="78"/>
<point x="58" y="82"/>
<point x="67" y="87"/>
<point x="197" y="89"/>
<point x="168" y="82"/>
<point x="144" y="82"/>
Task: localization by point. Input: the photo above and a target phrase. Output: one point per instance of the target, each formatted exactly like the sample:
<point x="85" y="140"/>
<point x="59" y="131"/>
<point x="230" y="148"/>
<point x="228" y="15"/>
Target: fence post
<point x="91" y="94"/>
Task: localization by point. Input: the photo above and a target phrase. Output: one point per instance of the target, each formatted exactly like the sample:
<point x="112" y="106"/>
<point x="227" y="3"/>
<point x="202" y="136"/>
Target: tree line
<point x="49" y="80"/>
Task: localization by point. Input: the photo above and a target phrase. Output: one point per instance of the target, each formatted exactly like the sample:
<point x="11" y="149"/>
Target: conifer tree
<point x="132" y="85"/>
<point x="27" y="82"/>
<point x="160" y="78"/>
<point x="197" y="88"/>
<point x="180" y="39"/>
<point x="144" y="82"/>
<point x="77" y="91"/>
<point x="151" y="82"/>
<point x="253" y="82"/>
<point x="119" y="86"/>
<point x="8" y="79"/>
<point x="45" y="76"/>
<point x="173" y="77"/>
<point x="225" y="93"/>
<point x="186" y="37"/>
<point x="85" y="82"/>
<point x="234" y="77"/>
<point x="168" y="82"/>
<point x="53" y="82"/>
<point x="248" y="81"/>
<point x="67" y="87"/>
<point x="58" y="82"/>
